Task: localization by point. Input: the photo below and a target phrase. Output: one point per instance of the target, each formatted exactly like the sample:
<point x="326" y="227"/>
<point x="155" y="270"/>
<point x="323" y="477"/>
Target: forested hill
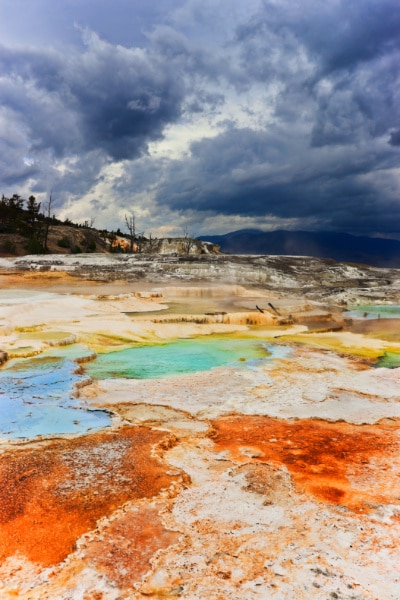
<point x="28" y="228"/>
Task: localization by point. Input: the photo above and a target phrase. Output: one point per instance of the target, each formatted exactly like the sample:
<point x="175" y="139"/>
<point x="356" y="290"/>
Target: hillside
<point x="62" y="239"/>
<point x="71" y="239"/>
<point x="28" y="228"/>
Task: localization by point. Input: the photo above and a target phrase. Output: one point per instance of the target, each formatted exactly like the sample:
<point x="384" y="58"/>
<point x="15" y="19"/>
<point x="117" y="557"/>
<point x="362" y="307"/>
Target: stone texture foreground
<point x="276" y="480"/>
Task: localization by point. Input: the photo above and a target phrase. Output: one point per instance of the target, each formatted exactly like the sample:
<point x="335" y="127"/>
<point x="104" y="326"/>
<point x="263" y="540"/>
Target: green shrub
<point x="64" y="242"/>
<point x="9" y="247"/>
<point x="88" y="242"/>
<point x="92" y="246"/>
<point x="33" y="246"/>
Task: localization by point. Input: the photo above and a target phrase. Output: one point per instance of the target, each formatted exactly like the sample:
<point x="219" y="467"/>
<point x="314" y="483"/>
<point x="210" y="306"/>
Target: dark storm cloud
<point x="333" y="69"/>
<point x="108" y="97"/>
<point x="338" y="59"/>
<point x="339" y="35"/>
<point x="243" y="172"/>
<point x="353" y="32"/>
<point x="297" y="102"/>
<point x="395" y="138"/>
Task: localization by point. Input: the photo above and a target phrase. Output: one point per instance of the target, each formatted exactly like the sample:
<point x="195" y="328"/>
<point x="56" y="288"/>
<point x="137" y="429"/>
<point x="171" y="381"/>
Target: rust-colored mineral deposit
<point x="54" y="492"/>
<point x="338" y="463"/>
<point x="129" y="543"/>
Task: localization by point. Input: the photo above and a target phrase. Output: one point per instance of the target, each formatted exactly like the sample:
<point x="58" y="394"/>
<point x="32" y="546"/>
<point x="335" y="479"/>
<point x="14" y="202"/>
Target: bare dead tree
<point x="47" y="220"/>
<point x="152" y="243"/>
<point x="88" y="224"/>
<point x="131" y="225"/>
<point x="139" y="239"/>
<point x="188" y="241"/>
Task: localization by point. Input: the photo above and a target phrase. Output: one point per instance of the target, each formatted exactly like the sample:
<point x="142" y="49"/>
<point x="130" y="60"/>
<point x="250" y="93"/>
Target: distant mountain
<point x="344" y="247"/>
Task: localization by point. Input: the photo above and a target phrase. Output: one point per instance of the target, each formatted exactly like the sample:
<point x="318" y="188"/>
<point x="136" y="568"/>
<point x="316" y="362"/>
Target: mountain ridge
<point x="344" y="247"/>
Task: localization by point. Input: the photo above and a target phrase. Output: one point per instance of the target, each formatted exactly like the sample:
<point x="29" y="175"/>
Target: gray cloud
<point x="337" y="35"/>
<point x="395" y="138"/>
<point x="242" y="172"/>
<point x="108" y="97"/>
<point x="337" y="63"/>
<point x="299" y="103"/>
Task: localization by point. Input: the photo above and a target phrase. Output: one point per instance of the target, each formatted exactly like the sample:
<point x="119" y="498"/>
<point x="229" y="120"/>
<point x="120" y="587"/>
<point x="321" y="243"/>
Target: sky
<point x="204" y="116"/>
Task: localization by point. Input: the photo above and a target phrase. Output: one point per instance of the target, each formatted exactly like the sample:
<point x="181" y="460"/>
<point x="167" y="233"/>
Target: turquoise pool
<point x="179" y="357"/>
<point x="37" y="395"/>
<point x="382" y="311"/>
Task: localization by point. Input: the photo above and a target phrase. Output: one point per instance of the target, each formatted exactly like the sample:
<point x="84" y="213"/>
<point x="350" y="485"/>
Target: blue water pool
<point x="37" y="398"/>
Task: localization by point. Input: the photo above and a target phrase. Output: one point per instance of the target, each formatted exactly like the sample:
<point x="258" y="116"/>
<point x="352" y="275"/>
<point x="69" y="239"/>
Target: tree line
<point x="32" y="220"/>
<point x="25" y="217"/>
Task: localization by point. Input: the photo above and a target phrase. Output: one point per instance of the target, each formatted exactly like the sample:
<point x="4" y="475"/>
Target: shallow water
<point x="36" y="398"/>
<point x="21" y="296"/>
<point x="180" y="357"/>
<point x="390" y="360"/>
<point x="383" y="311"/>
<point x="192" y="306"/>
<point x="37" y="394"/>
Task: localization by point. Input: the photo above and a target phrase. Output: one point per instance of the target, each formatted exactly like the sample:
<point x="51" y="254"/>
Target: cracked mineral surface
<point x="272" y="475"/>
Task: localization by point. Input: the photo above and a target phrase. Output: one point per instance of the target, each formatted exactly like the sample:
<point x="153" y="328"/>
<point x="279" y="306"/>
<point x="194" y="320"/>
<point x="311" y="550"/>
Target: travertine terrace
<point x="272" y="478"/>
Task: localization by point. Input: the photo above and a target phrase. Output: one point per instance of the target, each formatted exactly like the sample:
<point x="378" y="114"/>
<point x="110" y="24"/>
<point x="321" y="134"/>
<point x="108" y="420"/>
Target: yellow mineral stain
<point x="345" y="343"/>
